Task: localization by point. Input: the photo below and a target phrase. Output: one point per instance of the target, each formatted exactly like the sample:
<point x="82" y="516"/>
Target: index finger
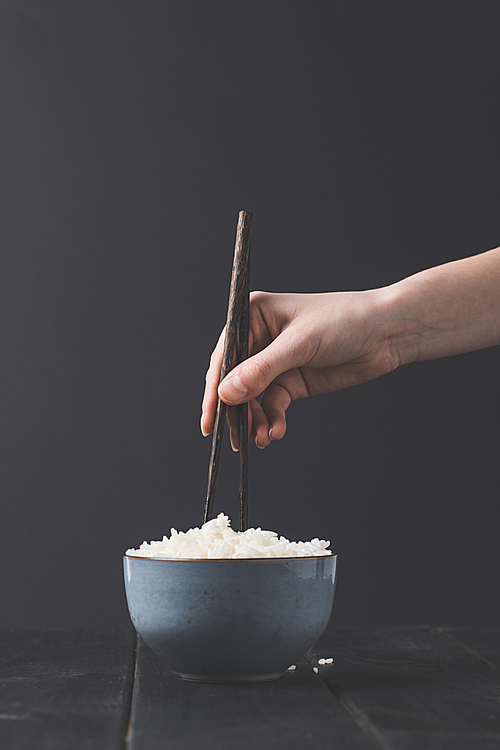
<point x="209" y="403"/>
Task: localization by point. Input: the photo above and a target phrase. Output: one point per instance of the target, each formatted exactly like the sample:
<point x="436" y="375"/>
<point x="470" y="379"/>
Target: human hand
<point x="299" y="345"/>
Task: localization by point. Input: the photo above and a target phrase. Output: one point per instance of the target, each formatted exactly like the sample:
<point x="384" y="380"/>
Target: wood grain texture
<point x="416" y="688"/>
<point x="65" y="689"/>
<point x="241" y="355"/>
<point x="169" y="713"/>
<point x="413" y="688"/>
<point x="236" y="300"/>
<point x="484" y="642"/>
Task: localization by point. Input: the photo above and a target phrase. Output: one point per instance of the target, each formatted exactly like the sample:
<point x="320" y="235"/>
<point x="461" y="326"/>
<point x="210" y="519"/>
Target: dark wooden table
<point x="411" y="688"/>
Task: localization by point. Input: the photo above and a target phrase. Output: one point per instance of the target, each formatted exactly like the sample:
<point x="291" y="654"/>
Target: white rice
<point x="216" y="539"/>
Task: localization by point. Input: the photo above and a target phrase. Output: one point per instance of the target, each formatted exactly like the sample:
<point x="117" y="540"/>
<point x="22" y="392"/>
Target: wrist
<point x="400" y="327"/>
<point x="445" y="310"/>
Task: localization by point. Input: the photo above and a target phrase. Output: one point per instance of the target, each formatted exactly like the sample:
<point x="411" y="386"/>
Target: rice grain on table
<point x="216" y="539"/>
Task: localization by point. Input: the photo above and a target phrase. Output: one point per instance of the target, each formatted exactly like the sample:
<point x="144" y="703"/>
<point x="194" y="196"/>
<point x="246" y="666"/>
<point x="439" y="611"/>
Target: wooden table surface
<point x="411" y="688"/>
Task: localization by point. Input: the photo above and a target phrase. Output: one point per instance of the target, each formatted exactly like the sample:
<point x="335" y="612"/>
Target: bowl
<point x="230" y="620"/>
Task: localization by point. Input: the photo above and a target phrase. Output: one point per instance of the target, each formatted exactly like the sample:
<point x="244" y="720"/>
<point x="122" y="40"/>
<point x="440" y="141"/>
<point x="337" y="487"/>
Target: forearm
<point x="449" y="309"/>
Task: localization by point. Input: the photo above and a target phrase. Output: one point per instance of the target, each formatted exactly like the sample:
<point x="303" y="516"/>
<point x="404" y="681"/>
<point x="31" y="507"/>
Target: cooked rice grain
<point x="216" y="539"/>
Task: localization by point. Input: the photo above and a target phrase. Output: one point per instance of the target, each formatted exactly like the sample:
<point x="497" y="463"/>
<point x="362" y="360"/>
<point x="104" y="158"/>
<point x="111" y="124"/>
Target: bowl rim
<point x="231" y="559"/>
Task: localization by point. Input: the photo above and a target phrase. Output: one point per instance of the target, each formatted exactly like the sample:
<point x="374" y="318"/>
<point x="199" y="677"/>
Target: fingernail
<point x="271" y="434"/>
<point x="233" y="388"/>
<point x="205" y="434"/>
<point x="260" y="447"/>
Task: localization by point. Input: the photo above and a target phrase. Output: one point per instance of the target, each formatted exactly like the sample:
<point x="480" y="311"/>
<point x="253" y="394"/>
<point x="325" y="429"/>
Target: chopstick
<point x="241" y="354"/>
<point x="236" y="323"/>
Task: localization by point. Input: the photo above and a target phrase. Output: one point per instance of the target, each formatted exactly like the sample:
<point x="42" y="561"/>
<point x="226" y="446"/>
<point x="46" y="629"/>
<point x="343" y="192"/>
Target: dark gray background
<point x="364" y="136"/>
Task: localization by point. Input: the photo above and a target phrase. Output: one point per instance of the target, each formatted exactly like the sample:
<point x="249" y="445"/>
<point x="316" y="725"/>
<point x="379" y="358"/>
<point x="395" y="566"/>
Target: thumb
<point x="251" y="377"/>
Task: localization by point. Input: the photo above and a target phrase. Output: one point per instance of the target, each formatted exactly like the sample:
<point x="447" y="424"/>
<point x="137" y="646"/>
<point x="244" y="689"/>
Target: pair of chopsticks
<point x="236" y="338"/>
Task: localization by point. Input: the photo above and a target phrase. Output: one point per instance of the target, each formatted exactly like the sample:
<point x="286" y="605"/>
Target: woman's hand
<point x="299" y="345"/>
<point x="304" y="344"/>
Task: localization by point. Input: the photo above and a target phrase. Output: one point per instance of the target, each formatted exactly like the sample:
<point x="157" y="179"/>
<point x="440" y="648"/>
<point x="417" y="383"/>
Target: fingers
<point x="275" y="402"/>
<point x="266" y="420"/>
<point x="209" y="405"/>
<point x="233" y="421"/>
<point x="234" y="426"/>
<point x="260" y="426"/>
<point x="251" y="377"/>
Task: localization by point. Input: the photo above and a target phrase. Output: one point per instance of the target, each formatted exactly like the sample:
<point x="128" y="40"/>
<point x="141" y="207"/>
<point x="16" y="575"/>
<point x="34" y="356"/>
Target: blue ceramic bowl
<point x="230" y="620"/>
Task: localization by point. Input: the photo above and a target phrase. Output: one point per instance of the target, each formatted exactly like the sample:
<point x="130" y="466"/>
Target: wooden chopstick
<point x="238" y="299"/>
<point x="241" y="354"/>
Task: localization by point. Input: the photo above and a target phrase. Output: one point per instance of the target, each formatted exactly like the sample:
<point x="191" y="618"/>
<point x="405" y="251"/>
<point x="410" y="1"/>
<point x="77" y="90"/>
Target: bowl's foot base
<point x="237" y="678"/>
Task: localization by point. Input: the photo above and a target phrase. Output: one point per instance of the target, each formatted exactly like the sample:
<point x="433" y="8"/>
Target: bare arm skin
<point x="305" y="344"/>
